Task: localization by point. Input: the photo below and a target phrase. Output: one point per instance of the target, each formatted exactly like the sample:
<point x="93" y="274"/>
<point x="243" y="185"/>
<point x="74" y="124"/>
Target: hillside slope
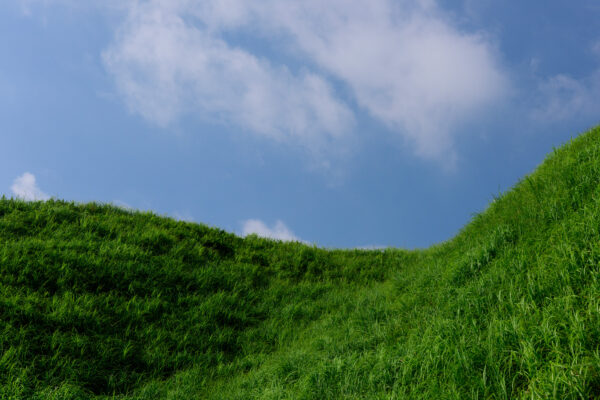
<point x="98" y="302"/>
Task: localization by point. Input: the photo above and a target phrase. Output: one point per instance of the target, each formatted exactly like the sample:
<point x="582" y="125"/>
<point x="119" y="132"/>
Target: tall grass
<point x="99" y="302"/>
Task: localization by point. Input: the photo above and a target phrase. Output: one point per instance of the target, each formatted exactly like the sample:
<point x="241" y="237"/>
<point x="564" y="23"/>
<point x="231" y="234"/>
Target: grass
<point x="103" y="303"/>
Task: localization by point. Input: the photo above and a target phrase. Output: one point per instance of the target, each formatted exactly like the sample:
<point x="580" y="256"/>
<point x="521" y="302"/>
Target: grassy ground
<point x="98" y="302"/>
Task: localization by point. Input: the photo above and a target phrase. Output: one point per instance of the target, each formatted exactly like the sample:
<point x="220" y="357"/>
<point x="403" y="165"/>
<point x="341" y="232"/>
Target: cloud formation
<point x="25" y="187"/>
<point x="184" y="216"/>
<point x="279" y="231"/>
<point x="562" y="97"/>
<point x="166" y="64"/>
<point x="404" y="63"/>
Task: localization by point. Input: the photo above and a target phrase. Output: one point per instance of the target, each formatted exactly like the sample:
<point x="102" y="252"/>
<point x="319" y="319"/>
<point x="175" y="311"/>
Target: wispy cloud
<point x="185" y="216"/>
<point x="122" y="205"/>
<point x="373" y="247"/>
<point x="562" y="97"/>
<point x="279" y="231"/>
<point x="167" y="63"/>
<point x="595" y="48"/>
<point x="404" y="63"/>
<point x="25" y="187"/>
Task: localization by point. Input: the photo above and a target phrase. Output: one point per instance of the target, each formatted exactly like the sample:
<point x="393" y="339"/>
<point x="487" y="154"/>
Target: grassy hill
<point x="99" y="302"/>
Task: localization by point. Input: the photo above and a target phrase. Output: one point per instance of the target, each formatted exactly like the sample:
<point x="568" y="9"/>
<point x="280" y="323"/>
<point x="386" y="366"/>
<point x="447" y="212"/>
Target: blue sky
<point x="342" y="123"/>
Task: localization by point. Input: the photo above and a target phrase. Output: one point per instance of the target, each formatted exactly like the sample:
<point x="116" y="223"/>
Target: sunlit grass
<point x="99" y="302"/>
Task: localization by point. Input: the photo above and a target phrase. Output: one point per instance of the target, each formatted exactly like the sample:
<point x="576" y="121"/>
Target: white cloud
<point x="279" y="231"/>
<point x="165" y="66"/>
<point x="184" y="216"/>
<point x="562" y="97"/>
<point x="122" y="205"/>
<point x="403" y="62"/>
<point x="26" y="188"/>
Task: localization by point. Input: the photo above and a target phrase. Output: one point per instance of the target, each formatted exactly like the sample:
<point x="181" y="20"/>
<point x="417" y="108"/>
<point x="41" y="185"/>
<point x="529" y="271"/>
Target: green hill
<point x="99" y="302"/>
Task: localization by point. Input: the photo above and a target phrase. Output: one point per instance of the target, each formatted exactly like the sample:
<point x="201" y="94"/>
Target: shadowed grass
<point x="99" y="302"/>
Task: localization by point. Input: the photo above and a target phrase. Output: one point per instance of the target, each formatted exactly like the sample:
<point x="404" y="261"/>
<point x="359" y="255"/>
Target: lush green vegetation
<point x="99" y="302"/>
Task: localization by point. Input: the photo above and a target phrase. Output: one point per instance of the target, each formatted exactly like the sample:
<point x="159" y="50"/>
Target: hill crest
<point x="100" y="302"/>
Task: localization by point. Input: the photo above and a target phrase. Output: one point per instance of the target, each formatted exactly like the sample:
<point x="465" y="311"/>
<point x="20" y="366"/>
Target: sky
<point x="341" y="124"/>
